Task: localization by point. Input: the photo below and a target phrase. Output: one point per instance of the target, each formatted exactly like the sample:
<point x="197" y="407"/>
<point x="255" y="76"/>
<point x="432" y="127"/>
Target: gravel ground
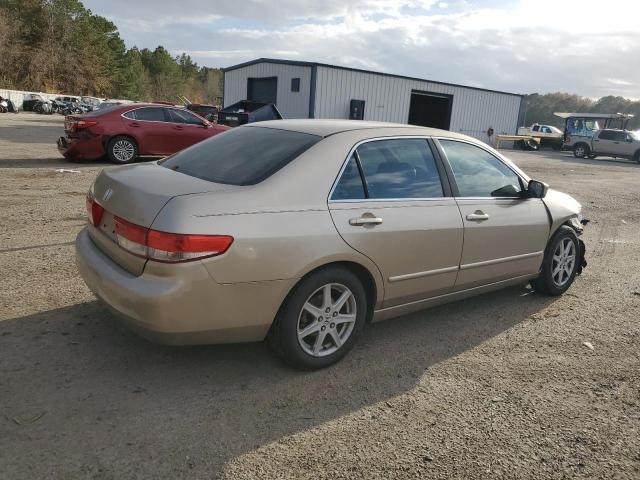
<point x="499" y="386"/>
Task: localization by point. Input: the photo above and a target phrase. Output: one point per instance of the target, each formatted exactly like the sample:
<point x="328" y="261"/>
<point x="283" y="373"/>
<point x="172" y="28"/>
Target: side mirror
<point x="537" y="189"/>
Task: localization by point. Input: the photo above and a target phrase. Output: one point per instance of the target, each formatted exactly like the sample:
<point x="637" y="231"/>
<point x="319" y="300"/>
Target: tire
<point x="331" y="332"/>
<point x="549" y="284"/>
<point x="580" y="150"/>
<point x="636" y="157"/>
<point x="122" y="149"/>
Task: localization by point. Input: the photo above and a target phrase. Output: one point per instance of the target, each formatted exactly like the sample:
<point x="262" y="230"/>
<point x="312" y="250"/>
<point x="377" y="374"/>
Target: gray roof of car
<point x="327" y="127"/>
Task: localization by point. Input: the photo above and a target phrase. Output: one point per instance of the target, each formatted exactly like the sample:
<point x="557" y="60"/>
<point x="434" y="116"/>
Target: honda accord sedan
<point x="124" y="132"/>
<point x="302" y="232"/>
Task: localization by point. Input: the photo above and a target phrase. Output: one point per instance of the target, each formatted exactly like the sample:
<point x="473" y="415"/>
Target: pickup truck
<point x="610" y="143"/>
<point x="548" y="134"/>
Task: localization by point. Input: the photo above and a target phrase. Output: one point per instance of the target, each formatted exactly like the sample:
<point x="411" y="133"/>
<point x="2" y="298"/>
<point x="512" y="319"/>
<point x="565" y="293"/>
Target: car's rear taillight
<point x="94" y="210"/>
<point x="168" y="247"/>
<point x="75" y="124"/>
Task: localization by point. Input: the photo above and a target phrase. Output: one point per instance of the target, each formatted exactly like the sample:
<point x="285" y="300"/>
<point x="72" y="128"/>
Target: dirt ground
<point x="499" y="386"/>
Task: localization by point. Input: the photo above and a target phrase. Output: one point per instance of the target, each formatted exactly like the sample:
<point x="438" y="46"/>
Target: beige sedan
<point x="304" y="231"/>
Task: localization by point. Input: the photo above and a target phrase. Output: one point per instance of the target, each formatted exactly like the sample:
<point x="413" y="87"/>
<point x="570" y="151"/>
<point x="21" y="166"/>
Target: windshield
<point x="242" y="156"/>
<point x="635" y="135"/>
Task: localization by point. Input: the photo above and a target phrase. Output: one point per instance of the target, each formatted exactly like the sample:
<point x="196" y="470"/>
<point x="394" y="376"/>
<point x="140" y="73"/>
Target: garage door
<point x="262" y="89"/>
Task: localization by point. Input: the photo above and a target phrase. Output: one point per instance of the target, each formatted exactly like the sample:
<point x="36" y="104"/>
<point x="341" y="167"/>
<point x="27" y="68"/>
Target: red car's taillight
<point x="81" y="124"/>
<point x="94" y="210"/>
<point x="168" y="247"/>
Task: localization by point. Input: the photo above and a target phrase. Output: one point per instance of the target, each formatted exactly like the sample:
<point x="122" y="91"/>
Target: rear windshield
<point x="242" y="156"/>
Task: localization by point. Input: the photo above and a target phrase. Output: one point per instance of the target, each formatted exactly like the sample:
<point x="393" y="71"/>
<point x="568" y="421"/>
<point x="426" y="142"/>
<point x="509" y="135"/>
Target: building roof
<point x="593" y="115"/>
<point x="392" y="75"/>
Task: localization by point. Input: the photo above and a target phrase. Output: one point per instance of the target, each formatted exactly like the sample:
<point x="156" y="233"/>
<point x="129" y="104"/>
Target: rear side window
<point x="350" y="186"/>
<point x="150" y="114"/>
<point x="393" y="169"/>
<point x="242" y="156"/>
<point x="182" y="116"/>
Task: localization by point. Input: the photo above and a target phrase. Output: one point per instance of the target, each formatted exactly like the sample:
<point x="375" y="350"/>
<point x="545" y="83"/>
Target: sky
<point x="587" y="47"/>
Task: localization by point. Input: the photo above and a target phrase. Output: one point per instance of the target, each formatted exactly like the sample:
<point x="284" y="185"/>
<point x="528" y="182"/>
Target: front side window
<point x="150" y="114"/>
<point x="478" y="173"/>
<point x="606" y="135"/>
<point x="620" y="136"/>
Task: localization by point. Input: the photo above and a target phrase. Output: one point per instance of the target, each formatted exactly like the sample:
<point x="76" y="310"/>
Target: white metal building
<point x="316" y="90"/>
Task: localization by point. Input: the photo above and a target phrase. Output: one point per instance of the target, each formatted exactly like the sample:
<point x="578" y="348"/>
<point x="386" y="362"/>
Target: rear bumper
<point x="180" y="304"/>
<point x="81" y="149"/>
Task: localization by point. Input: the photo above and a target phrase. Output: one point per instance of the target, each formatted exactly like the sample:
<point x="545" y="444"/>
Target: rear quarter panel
<point x="267" y="245"/>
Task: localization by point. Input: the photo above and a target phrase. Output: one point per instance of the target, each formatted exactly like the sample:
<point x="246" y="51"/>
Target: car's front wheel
<point x="560" y="263"/>
<point x="122" y="149"/>
<point x="321" y="319"/>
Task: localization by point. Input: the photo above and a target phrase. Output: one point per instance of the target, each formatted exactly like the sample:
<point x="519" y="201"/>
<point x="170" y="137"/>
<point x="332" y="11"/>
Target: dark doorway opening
<point x="262" y="89"/>
<point x="430" y="109"/>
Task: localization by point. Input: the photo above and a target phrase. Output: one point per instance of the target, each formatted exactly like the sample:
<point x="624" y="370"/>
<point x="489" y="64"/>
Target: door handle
<point x="478" y="216"/>
<point x="361" y="221"/>
<point x="134" y="124"/>
<point x="178" y="127"/>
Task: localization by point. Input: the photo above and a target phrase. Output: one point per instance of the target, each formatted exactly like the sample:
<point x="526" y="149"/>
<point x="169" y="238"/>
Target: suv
<point x="609" y="142"/>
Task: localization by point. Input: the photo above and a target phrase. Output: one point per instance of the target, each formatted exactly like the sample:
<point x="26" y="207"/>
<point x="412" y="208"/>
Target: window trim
<point x="452" y="178"/>
<point x="443" y="175"/>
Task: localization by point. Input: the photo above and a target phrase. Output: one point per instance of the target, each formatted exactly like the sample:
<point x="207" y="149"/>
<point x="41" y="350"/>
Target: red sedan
<point x="125" y="132"/>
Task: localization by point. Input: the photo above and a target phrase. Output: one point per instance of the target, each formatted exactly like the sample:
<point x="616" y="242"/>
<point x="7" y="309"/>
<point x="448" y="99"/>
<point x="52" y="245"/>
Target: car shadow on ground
<point x="100" y="388"/>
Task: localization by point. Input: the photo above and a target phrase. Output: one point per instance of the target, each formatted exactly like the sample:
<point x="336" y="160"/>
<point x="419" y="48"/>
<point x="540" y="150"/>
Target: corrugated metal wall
<point x="387" y="99"/>
<point x="291" y="104"/>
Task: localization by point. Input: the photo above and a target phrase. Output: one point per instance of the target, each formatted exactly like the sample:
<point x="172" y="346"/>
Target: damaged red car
<point x="126" y="132"/>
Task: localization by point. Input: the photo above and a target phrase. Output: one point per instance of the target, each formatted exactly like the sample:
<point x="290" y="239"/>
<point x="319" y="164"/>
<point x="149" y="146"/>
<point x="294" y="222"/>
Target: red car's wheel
<point x="122" y="149"/>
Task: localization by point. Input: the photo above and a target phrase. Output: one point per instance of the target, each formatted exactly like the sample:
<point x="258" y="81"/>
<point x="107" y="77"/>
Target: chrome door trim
<point x="501" y="260"/>
<point x="411" y="276"/>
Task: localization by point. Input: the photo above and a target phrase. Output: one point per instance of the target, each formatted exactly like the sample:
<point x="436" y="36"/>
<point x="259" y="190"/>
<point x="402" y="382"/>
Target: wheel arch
<point x="370" y="282"/>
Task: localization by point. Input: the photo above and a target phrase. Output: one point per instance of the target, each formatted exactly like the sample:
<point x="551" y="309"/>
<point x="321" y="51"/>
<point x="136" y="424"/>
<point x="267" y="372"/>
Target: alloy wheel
<point x="123" y="150"/>
<point x="327" y="320"/>
<point x="563" y="262"/>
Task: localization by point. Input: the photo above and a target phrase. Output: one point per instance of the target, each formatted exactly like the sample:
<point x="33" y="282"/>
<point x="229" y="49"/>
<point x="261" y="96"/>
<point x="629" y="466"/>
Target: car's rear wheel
<point x="560" y="264"/>
<point x="580" y="150"/>
<point x="321" y="319"/>
<point x="636" y="157"/>
<point x="122" y="149"/>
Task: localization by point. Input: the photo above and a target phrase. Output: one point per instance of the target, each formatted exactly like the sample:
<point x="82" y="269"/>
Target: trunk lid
<point x="137" y="193"/>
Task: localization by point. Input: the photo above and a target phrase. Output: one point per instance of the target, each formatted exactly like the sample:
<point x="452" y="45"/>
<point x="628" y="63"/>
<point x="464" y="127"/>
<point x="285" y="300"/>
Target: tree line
<point x="59" y="46"/>
<point x="538" y="108"/>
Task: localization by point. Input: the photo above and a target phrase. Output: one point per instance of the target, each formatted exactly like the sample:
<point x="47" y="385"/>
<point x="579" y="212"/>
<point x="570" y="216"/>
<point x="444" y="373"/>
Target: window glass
<point x="349" y="187"/>
<point x="131" y="114"/>
<point x="151" y="114"/>
<point x="535" y="128"/>
<point x="545" y="130"/>
<point x="295" y="84"/>
<point x="241" y="156"/>
<point x="606" y="135"/>
<point x="620" y="136"/>
<point x="478" y="173"/>
<point x="182" y="116"/>
<point x="400" y="168"/>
